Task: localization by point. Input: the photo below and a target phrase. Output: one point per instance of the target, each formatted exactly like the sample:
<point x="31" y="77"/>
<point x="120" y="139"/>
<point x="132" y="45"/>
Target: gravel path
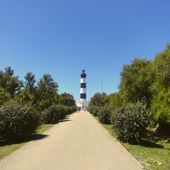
<point x="79" y="143"/>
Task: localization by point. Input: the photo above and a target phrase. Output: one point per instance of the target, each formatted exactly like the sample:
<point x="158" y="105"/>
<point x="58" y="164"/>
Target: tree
<point x="161" y="106"/>
<point x="115" y="100"/>
<point x="4" y="96"/>
<point x="46" y="91"/>
<point x="27" y="94"/>
<point x="161" y="66"/>
<point x="67" y="99"/>
<point x="9" y="82"/>
<point x="26" y="97"/>
<point x="99" y="100"/>
<point x="161" y="88"/>
<point x="30" y="81"/>
<point x="136" y="80"/>
<point x="47" y="84"/>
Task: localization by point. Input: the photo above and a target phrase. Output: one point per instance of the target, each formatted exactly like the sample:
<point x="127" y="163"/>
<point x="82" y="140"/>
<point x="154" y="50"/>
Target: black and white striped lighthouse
<point x="83" y="94"/>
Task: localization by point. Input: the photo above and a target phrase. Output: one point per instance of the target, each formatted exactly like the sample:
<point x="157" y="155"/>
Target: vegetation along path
<point x="78" y="143"/>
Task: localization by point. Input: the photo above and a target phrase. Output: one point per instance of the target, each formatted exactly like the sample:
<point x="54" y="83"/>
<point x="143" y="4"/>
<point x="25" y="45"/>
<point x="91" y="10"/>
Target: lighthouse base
<point x="83" y="104"/>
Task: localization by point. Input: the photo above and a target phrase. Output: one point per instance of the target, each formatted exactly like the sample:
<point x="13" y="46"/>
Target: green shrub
<point x="104" y="115"/>
<point x="70" y="109"/>
<point x="54" y="113"/>
<point x="131" y="122"/>
<point x="99" y="100"/>
<point x="161" y="107"/>
<point x="94" y="110"/>
<point x="4" y="96"/>
<point x="114" y="114"/>
<point x="17" y="122"/>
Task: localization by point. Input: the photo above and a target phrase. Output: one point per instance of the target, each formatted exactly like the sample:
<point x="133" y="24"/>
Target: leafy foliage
<point x="99" y="100"/>
<point x="115" y="100"/>
<point x="161" y="106"/>
<point x="131" y="122"/>
<point x="104" y="115"/>
<point x="4" y="96"/>
<point x="99" y="106"/>
<point x="161" y="66"/>
<point x="17" y="122"/>
<point x="70" y="109"/>
<point x="66" y="99"/>
<point x="25" y="96"/>
<point x="30" y="82"/>
<point x="9" y="82"/>
<point x="93" y="110"/>
<point x="46" y="92"/>
<point x="136" y="79"/>
<point x="161" y="88"/>
<point x="53" y="114"/>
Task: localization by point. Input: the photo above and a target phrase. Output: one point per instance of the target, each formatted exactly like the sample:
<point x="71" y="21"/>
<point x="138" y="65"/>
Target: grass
<point x="152" y="155"/>
<point x="8" y="149"/>
<point x="42" y="128"/>
<point x="152" y="158"/>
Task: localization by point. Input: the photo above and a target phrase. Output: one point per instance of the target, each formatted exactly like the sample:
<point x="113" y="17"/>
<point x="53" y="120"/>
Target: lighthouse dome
<point x="83" y="74"/>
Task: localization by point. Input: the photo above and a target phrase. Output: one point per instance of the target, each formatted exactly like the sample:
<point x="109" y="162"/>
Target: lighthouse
<point x="83" y="95"/>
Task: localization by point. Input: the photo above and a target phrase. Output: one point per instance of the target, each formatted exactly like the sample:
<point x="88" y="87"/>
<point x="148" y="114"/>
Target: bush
<point x="4" y="96"/>
<point x="94" y="110"/>
<point x="114" y="115"/>
<point x="161" y="107"/>
<point x="17" y="122"/>
<point x="131" y="122"/>
<point x="99" y="100"/>
<point x="70" y="109"/>
<point x="104" y="115"/>
<point x="54" y="113"/>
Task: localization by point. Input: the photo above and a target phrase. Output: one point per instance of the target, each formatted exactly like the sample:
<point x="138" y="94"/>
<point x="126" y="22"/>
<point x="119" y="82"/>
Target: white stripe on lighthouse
<point x="83" y="90"/>
<point x="83" y="101"/>
<point x="82" y="80"/>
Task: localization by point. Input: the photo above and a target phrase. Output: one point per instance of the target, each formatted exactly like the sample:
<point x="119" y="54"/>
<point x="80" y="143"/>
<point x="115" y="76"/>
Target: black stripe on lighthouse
<point x="83" y="85"/>
<point x="83" y="95"/>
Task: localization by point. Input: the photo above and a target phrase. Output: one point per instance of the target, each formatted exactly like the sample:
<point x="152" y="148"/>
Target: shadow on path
<point x="66" y="119"/>
<point x="37" y="137"/>
<point x="33" y="137"/>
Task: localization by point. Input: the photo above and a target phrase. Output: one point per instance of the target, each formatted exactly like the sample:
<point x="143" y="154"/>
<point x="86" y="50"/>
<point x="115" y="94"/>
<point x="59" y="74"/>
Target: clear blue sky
<point x="61" y="37"/>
